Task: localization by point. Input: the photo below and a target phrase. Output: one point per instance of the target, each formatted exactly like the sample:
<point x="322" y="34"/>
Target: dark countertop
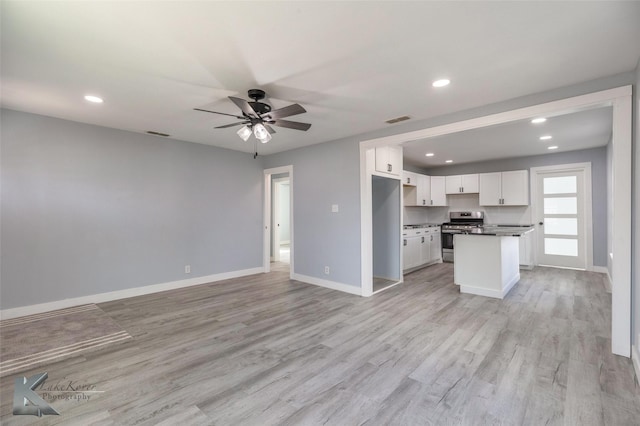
<point x="421" y="225"/>
<point x="499" y="230"/>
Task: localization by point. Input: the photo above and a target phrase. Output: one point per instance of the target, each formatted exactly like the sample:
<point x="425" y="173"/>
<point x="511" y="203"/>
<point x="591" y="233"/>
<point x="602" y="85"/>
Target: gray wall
<point x="386" y="227"/>
<point x="596" y="156"/>
<point x="88" y="209"/>
<point x="323" y="175"/>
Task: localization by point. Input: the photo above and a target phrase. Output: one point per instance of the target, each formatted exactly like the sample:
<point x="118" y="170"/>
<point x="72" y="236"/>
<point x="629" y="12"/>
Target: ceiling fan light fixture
<point x="244" y="133"/>
<point x="261" y="133"/>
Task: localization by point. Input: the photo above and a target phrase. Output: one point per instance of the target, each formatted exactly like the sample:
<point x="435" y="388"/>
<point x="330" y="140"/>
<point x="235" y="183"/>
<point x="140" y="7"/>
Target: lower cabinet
<point x="526" y="250"/>
<point x="421" y="247"/>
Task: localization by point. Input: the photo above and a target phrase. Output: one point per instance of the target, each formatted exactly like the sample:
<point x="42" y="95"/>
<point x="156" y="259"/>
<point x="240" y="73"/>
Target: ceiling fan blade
<point x="269" y="129"/>
<point x="287" y="111"/>
<point x="291" y="124"/>
<point x="244" y="106"/>
<point x="230" y="125"/>
<point x="221" y="113"/>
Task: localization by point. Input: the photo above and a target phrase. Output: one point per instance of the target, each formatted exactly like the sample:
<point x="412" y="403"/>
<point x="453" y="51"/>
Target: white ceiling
<point x="352" y="65"/>
<point x="580" y="130"/>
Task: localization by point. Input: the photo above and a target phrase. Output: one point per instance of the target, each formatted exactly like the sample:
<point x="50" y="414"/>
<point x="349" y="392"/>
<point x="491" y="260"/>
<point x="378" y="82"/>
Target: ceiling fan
<point x="257" y="117"/>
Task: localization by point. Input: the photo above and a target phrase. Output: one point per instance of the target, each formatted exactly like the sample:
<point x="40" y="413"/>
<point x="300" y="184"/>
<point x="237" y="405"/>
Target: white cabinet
<point x="436" y="245"/>
<point x="515" y="188"/>
<point x="425" y="249"/>
<point x="410" y="252"/>
<point x="438" y="193"/>
<point x="424" y="190"/>
<point x="421" y="247"/>
<point x="504" y="188"/>
<point x="418" y="195"/>
<point x="409" y="178"/>
<point x="389" y="160"/>
<point x="462" y="184"/>
<point x="526" y="250"/>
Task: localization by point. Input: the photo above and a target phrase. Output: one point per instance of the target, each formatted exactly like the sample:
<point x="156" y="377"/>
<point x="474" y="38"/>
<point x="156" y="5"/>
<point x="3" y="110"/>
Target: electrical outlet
<point x="326" y="270"/>
<point x="187" y="269"/>
<point x="335" y="208"/>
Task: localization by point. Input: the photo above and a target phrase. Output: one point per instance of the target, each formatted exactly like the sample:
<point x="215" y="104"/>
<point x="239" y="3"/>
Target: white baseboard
<point x="600" y="269"/>
<point x="123" y="294"/>
<point x="333" y="285"/>
<point x="496" y="294"/>
<point x="635" y="357"/>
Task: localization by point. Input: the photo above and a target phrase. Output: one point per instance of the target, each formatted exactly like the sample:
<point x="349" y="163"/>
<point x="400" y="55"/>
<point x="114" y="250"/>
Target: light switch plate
<point x="334" y="208"/>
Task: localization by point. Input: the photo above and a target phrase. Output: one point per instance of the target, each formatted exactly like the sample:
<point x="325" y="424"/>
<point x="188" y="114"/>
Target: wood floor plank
<point x="267" y="350"/>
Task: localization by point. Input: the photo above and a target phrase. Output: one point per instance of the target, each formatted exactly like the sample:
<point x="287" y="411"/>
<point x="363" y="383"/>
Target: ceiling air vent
<point x="398" y="119"/>
<point x="151" y="132"/>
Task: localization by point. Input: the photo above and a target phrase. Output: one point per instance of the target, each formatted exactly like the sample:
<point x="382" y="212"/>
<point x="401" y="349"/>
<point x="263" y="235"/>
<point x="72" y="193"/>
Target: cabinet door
<point x="409" y="178"/>
<point x="424" y="190"/>
<point x="515" y="188"/>
<point x="411" y="252"/>
<point x="425" y="246"/>
<point x="470" y="184"/>
<point x="382" y="159"/>
<point x="490" y="187"/>
<point x="395" y="159"/>
<point x="453" y="184"/>
<point x="436" y="245"/>
<point x="438" y="194"/>
<point x="389" y="160"/>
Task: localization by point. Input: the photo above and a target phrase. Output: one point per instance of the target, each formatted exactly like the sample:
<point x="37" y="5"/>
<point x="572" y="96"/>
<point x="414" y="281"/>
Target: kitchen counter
<point x="421" y="225"/>
<point x="499" y="230"/>
<point x="487" y="263"/>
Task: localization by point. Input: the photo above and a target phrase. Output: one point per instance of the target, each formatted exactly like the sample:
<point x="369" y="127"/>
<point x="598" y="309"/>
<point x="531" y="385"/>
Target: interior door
<point x="561" y="221"/>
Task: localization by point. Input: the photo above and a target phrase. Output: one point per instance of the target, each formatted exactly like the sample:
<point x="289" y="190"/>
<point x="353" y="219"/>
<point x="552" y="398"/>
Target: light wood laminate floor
<point x="264" y="350"/>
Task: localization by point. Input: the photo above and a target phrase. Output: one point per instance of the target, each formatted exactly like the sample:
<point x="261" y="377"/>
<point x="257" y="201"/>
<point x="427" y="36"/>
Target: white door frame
<point x="266" y="236"/>
<point x="620" y="99"/>
<point x="587" y="205"/>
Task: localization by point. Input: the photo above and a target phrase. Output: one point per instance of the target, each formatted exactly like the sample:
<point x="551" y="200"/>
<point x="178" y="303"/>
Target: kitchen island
<point x="487" y="260"/>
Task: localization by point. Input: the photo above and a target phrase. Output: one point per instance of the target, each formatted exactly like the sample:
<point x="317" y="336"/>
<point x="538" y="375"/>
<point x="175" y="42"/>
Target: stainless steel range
<point x="459" y="222"/>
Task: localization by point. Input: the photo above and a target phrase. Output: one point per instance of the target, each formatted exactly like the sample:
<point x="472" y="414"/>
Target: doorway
<point x="278" y="236"/>
<point x="562" y="212"/>
<point x="280" y="224"/>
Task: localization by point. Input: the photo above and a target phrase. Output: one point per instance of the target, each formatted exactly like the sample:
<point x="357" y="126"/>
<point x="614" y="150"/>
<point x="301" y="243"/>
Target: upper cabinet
<point x="438" y="191"/>
<point x="389" y="160"/>
<point x="418" y="195"/>
<point x="462" y="184"/>
<point x="424" y="190"/>
<point x="409" y="178"/>
<point x="504" y="188"/>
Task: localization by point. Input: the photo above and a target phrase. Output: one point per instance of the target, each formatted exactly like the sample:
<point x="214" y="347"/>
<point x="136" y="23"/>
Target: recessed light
<point x="552" y="147"/>
<point x="545" y="137"/>
<point x="449" y="161"/>
<point x="441" y="83"/>
<point x="94" y="99"/>
<point x="429" y="154"/>
<point x="538" y="120"/>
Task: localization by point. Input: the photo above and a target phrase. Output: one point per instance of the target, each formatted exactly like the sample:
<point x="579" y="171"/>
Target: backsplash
<point x="506" y="215"/>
